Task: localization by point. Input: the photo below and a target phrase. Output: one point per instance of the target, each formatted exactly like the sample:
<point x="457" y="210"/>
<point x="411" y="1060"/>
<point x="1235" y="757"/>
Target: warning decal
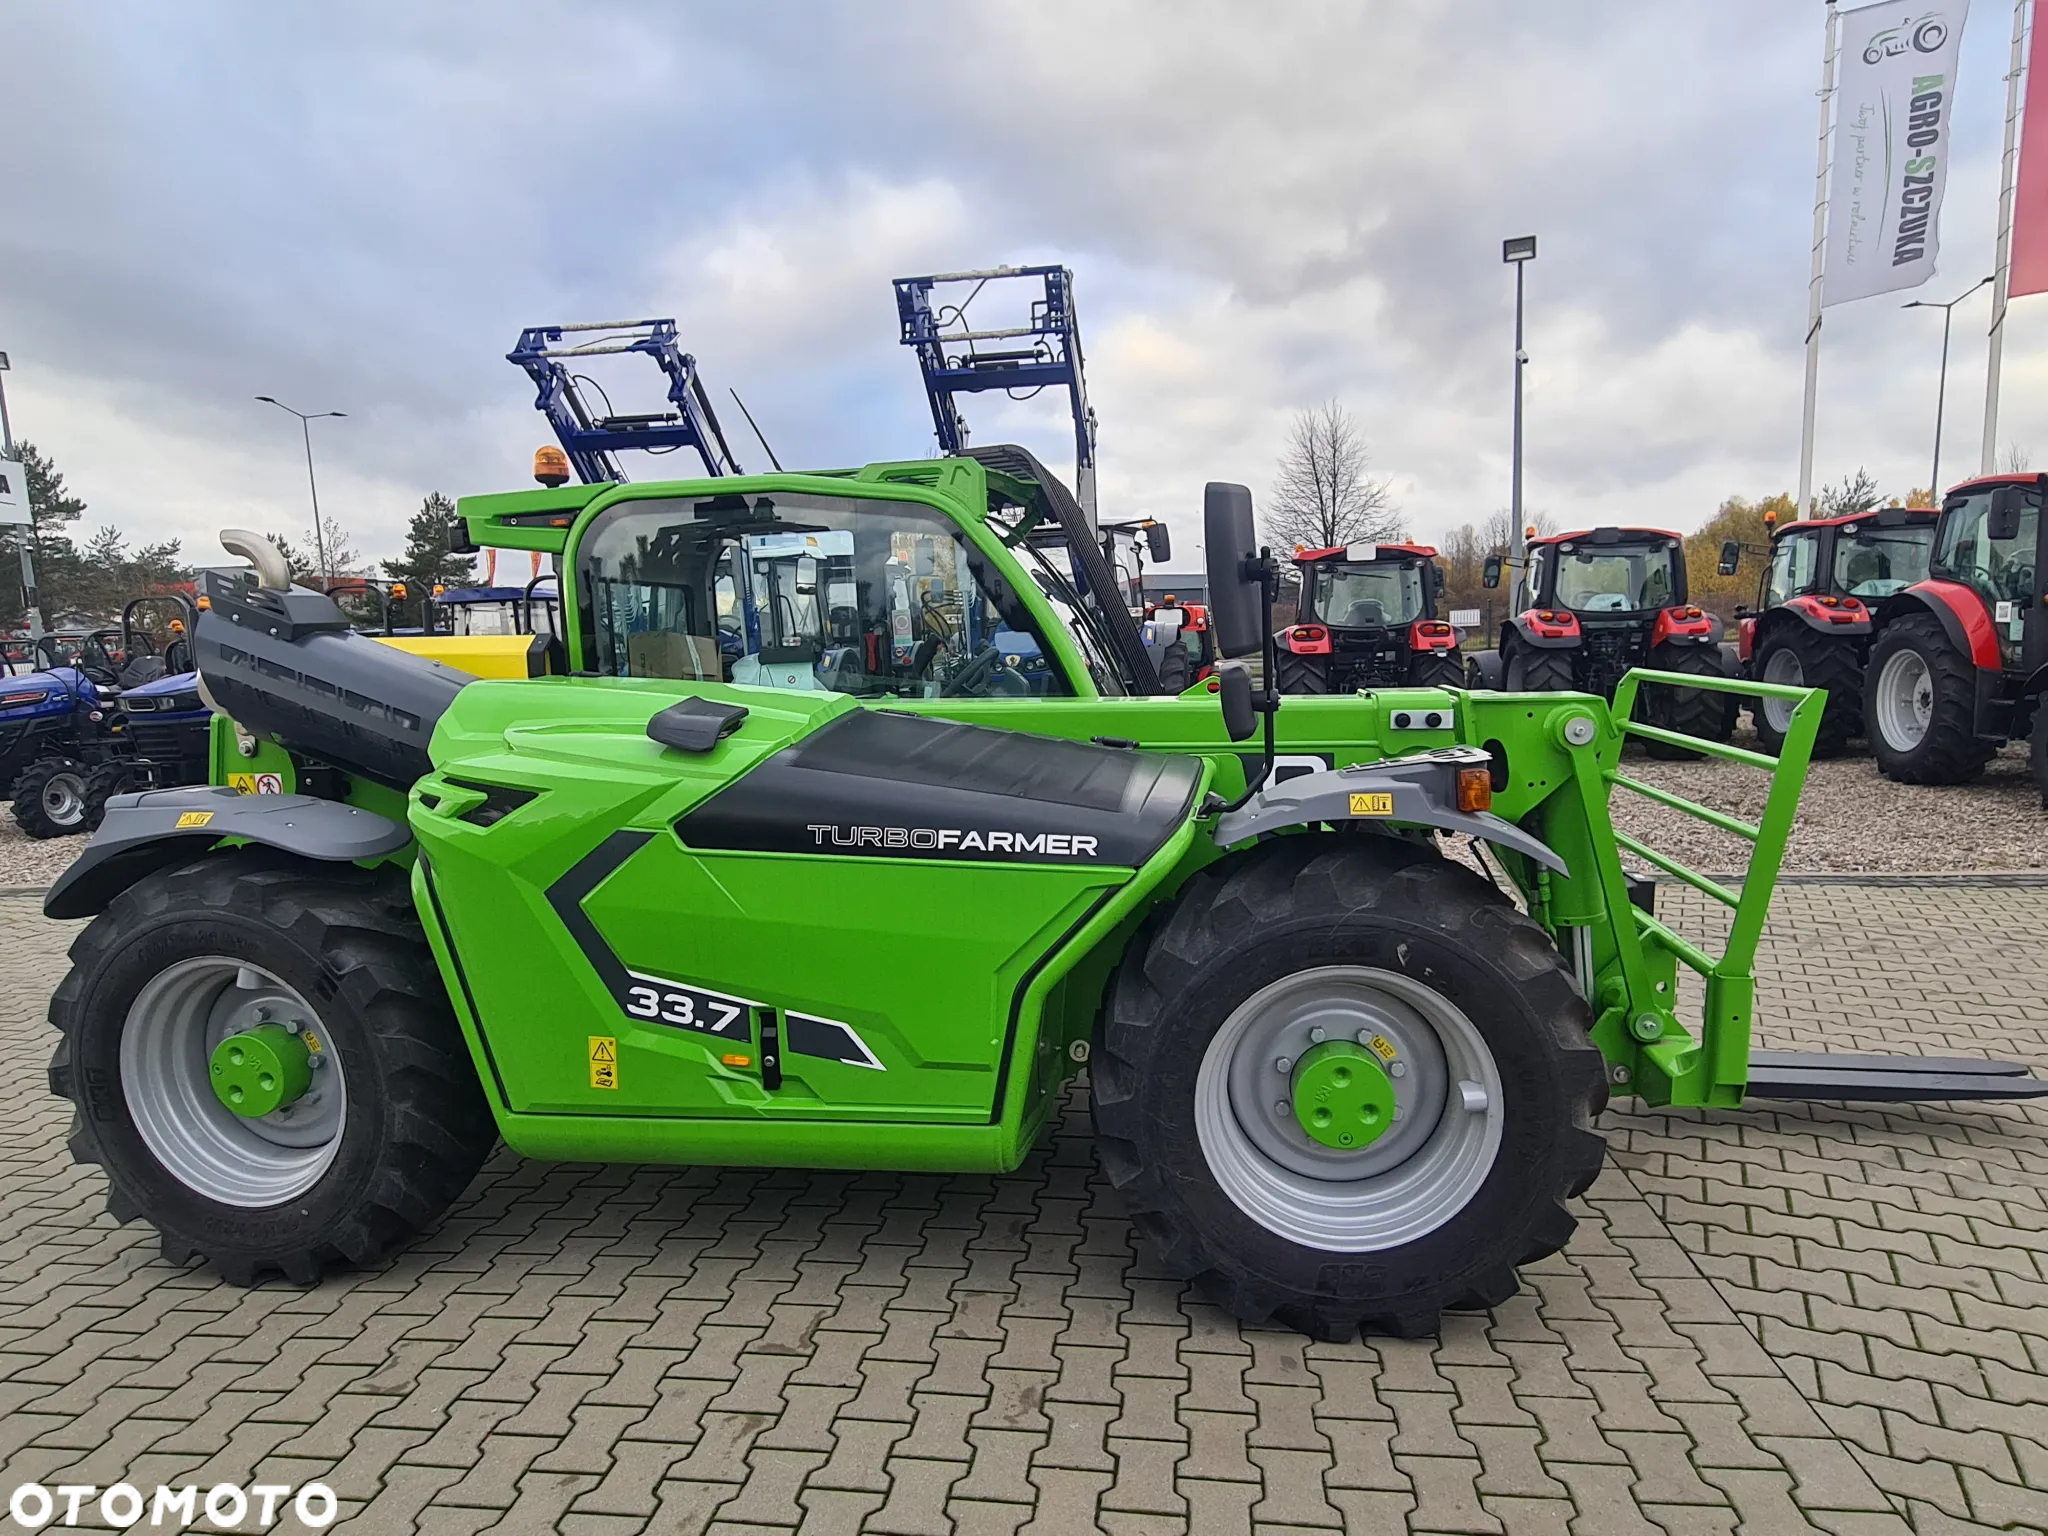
<point x="1372" y="805"/>
<point x="604" y="1061"/>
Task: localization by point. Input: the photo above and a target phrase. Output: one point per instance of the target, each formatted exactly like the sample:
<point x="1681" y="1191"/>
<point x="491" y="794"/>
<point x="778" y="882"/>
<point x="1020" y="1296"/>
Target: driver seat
<point x="1365" y="613"/>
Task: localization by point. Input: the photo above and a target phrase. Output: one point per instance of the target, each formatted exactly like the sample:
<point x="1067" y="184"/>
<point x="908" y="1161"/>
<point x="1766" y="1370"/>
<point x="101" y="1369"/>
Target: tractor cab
<point x="1960" y="659"/>
<point x="1367" y="619"/>
<point x="1592" y="605"/>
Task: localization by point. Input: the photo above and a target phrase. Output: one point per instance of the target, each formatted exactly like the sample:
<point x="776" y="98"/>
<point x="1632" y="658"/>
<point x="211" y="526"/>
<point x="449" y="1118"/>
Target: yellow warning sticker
<point x="242" y="783"/>
<point x="195" y="818"/>
<point x="312" y="1042"/>
<point x="604" y="1062"/>
<point x="1382" y="1047"/>
<point x="1372" y="805"/>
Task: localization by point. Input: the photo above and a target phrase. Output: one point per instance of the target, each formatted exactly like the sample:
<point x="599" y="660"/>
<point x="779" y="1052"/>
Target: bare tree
<point x="1856" y="493"/>
<point x="2015" y="460"/>
<point x="1322" y="495"/>
<point x="1501" y="526"/>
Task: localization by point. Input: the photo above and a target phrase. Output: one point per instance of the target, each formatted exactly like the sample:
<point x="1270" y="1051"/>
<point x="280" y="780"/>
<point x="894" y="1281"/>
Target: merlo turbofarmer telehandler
<point x="870" y="909"/>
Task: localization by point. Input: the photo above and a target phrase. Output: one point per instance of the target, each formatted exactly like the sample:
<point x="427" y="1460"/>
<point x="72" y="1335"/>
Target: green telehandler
<point x="871" y="908"/>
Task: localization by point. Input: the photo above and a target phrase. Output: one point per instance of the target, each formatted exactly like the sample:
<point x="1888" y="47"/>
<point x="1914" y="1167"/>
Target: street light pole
<point x="1517" y="252"/>
<point x="319" y="532"/>
<point x="1941" y="389"/>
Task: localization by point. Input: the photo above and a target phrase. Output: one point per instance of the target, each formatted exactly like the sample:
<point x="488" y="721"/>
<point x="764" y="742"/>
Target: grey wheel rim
<point x="176" y="1020"/>
<point x="1782" y="667"/>
<point x="1905" y="700"/>
<point x="1445" y="1136"/>
<point x="64" y="799"/>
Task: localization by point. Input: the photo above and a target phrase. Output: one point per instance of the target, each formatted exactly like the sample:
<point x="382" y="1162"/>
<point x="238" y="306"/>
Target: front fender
<point x="153" y="830"/>
<point x="1419" y="791"/>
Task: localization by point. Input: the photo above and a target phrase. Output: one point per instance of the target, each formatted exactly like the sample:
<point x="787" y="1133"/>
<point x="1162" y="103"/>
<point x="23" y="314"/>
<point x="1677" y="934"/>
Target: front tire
<point x="113" y="778"/>
<point x="392" y="1126"/>
<point x="1919" y="702"/>
<point x="49" y="797"/>
<point x="1373" y="938"/>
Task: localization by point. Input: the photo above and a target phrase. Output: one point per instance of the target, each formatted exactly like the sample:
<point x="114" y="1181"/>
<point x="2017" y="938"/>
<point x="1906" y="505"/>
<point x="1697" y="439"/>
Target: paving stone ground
<point x="1813" y="1317"/>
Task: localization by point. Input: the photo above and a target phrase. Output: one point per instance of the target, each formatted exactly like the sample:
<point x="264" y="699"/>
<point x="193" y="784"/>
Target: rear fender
<point x="1427" y="635"/>
<point x="158" y="828"/>
<point x="1685" y="626"/>
<point x="1962" y="614"/>
<point x="1420" y="791"/>
<point x="1562" y="635"/>
<point x="1848" y="617"/>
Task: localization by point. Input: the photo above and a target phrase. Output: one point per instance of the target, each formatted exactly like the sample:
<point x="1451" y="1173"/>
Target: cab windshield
<point x="1612" y="578"/>
<point x="1871" y="561"/>
<point x="1365" y="596"/>
<point x="2001" y="570"/>
<point x="790" y="590"/>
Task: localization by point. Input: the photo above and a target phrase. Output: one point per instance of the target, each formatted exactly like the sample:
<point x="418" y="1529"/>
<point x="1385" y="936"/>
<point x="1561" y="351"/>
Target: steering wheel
<point x="94" y="660"/>
<point x="980" y="668"/>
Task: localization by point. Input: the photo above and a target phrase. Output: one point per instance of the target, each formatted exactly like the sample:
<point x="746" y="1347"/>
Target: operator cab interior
<point x="863" y="596"/>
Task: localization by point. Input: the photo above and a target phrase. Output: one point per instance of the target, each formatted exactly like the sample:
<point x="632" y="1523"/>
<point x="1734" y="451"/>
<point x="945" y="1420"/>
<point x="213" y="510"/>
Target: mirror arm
<point x="1263" y="569"/>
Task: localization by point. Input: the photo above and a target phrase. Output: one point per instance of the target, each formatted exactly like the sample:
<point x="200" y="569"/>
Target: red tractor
<point x="1368" y="619"/>
<point x="1177" y="634"/>
<point x="1812" y="624"/>
<point x="1960" y="660"/>
<point x="1589" y="606"/>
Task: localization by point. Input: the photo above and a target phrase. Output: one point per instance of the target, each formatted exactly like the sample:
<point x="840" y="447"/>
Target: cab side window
<point x="1791" y="571"/>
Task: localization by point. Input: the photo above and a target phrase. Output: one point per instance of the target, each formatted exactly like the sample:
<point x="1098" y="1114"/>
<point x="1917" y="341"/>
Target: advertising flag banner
<point x="2029" y="270"/>
<point x="1894" y="97"/>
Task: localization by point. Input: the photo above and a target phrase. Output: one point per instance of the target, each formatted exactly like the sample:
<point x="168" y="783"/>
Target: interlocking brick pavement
<point x="1800" y="1318"/>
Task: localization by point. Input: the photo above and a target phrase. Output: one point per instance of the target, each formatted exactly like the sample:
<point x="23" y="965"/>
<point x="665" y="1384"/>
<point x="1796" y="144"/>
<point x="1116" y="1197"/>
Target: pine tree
<point x="425" y="562"/>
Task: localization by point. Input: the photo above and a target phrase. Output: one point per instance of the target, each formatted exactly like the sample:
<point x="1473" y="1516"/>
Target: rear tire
<point x="1690" y="711"/>
<point x="1802" y="657"/>
<point x="2037" y="762"/>
<point x="1303" y="674"/>
<point x="1388" y="1236"/>
<point x="1919" y="703"/>
<point x="191" y="954"/>
<point x="1536" y="671"/>
<point x="49" y="797"/>
<point x="1436" y="669"/>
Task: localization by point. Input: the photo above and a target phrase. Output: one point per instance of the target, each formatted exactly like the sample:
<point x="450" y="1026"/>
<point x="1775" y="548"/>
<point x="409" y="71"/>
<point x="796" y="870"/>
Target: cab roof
<point x="1600" y="535"/>
<point x="1336" y="551"/>
<point x="1910" y="514"/>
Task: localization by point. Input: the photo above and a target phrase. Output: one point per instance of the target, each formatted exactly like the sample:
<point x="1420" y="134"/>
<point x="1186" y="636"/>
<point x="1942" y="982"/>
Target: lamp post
<point x="1517" y="253"/>
<point x="306" y="429"/>
<point x="1941" y="389"/>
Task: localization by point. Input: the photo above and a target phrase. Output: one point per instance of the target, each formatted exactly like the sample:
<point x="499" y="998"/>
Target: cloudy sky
<point x="1265" y="206"/>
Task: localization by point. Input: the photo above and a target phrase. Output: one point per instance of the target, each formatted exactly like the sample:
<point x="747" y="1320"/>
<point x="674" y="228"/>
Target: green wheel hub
<point x="260" y="1070"/>
<point x="1342" y="1096"/>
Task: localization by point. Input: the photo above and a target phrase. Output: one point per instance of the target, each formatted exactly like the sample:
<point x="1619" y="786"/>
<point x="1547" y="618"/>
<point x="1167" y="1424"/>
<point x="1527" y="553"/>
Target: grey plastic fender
<point x="146" y="832"/>
<point x="1424" y="791"/>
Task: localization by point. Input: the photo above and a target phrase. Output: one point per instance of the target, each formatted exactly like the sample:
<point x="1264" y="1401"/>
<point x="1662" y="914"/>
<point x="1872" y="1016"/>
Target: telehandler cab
<point x="870" y="909"/>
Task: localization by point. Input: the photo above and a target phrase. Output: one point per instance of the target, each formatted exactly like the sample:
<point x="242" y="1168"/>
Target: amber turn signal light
<point x="1475" y="789"/>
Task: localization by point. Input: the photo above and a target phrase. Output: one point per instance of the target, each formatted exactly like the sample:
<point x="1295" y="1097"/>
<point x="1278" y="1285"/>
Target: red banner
<point x="2029" y="272"/>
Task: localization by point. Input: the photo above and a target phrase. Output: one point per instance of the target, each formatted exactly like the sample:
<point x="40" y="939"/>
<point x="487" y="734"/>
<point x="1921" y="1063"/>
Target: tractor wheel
<point x="2037" y="762"/>
<point x="49" y="797"/>
<point x="104" y="782"/>
<point x="1690" y="711"/>
<point x="1919" y="699"/>
<point x="1436" y="669"/>
<point x="1801" y="658"/>
<point x="1303" y="674"/>
<point x="263" y="1061"/>
<point x="1173" y="669"/>
<point x="1534" y="671"/>
<point x="1345" y="1084"/>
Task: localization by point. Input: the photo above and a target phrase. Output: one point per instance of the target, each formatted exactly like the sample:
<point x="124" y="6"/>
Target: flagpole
<point x="1820" y="226"/>
<point x="2002" y="277"/>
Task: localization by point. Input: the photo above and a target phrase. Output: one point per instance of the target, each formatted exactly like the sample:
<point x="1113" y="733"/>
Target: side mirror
<point x="1731" y="557"/>
<point x="1159" y="542"/>
<point x="1489" y="575"/>
<point x="1234" y="692"/>
<point x="1235" y="596"/>
<point x="2003" y="522"/>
